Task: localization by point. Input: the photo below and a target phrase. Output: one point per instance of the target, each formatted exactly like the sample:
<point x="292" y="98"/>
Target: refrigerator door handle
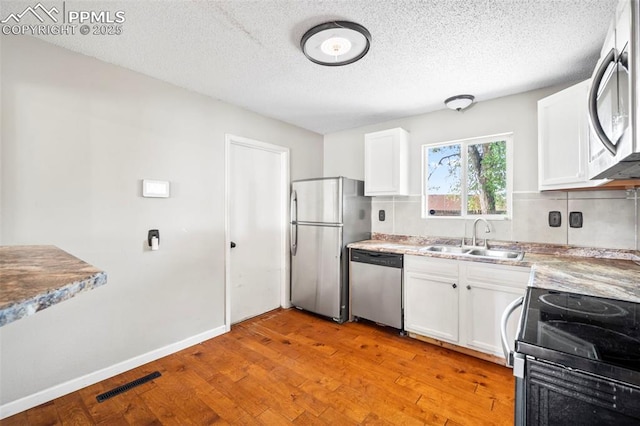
<point x="294" y="223"/>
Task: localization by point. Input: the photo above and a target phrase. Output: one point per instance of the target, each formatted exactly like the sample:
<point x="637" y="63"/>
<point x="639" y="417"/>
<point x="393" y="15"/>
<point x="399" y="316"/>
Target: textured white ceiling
<point x="247" y="52"/>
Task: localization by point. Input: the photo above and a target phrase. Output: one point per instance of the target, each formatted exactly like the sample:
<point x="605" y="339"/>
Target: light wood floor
<point x="291" y="367"/>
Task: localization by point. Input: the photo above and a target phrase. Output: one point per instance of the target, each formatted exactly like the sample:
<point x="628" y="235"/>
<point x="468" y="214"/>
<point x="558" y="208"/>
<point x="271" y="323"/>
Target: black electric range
<point x="593" y="334"/>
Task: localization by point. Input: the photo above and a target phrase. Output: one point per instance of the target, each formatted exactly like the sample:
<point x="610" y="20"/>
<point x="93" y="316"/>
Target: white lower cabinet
<point x="461" y="302"/>
<point x="422" y="286"/>
<point x="486" y="291"/>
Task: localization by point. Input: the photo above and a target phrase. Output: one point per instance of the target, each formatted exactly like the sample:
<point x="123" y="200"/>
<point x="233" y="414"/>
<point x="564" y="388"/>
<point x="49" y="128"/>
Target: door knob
<point x="233" y="245"/>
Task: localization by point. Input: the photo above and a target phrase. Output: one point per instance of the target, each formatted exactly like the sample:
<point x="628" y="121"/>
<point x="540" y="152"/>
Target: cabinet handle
<point x="468" y="287"/>
<point x="454" y="285"/>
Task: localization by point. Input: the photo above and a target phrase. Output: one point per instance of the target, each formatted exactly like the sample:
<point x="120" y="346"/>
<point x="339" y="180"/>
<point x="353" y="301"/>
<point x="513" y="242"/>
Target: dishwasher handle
<point x="508" y="353"/>
<point x="391" y="260"/>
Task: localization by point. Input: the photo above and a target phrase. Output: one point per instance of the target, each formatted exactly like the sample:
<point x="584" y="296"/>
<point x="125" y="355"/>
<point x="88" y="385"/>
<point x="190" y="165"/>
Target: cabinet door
<point x="563" y="140"/>
<point x="386" y="162"/>
<point x="431" y="306"/>
<point x="486" y="291"/>
<point x="483" y="305"/>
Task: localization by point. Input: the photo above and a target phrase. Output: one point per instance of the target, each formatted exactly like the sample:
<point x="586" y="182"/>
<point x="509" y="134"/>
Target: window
<point x="470" y="177"/>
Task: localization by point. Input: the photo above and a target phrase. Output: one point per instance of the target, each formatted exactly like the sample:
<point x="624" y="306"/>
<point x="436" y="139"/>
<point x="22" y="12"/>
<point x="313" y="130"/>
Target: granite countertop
<point x="32" y="278"/>
<point x="597" y="272"/>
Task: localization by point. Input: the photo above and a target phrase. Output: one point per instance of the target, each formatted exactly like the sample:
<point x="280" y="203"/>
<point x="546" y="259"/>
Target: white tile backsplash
<point x="607" y="222"/>
<point x="610" y="219"/>
<point x="598" y="195"/>
<point x="407" y="217"/>
<point x="531" y="217"/>
<point x="385" y="227"/>
<point x="449" y="227"/>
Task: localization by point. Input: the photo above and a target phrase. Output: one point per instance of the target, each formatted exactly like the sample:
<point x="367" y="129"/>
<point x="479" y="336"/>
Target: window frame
<point x="464" y="143"/>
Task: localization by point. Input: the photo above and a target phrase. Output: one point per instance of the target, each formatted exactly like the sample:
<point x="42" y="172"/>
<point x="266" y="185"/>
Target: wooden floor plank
<point x="137" y="412"/>
<point x="270" y="397"/>
<point x="114" y="421"/>
<point x="381" y="408"/>
<point x="105" y="411"/>
<point x="310" y="367"/>
<point x="249" y="402"/>
<point x="312" y="344"/>
<point x="374" y="419"/>
<point x="19" y="419"/>
<point x="286" y="391"/>
<point x="306" y="419"/>
<point x="291" y="367"/>
<point x="371" y="372"/>
<point x="350" y="408"/>
<point x="270" y="417"/>
<point x="73" y="414"/>
<point x="227" y="408"/>
<point x="182" y="394"/>
<point x="333" y="417"/>
<point x="161" y="404"/>
<point x="46" y="414"/>
<point x="457" y="406"/>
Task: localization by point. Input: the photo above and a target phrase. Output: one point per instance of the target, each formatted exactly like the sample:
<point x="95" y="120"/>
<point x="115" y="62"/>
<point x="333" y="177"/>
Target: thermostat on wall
<point x="155" y="188"/>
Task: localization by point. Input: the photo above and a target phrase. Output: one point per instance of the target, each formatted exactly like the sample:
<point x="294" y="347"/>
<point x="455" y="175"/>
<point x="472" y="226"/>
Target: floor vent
<point x="121" y="389"/>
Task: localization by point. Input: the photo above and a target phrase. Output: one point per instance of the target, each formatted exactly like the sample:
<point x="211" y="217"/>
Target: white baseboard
<point x="46" y="395"/>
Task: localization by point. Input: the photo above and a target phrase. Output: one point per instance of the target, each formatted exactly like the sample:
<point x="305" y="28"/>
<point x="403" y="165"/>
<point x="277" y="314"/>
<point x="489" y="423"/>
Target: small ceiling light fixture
<point x="336" y="43"/>
<point x="459" y="102"/>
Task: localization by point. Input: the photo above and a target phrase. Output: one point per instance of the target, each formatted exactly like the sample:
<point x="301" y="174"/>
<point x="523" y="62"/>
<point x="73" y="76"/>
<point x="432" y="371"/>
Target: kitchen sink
<point x="475" y="252"/>
<point x="446" y="249"/>
<point x="496" y="254"/>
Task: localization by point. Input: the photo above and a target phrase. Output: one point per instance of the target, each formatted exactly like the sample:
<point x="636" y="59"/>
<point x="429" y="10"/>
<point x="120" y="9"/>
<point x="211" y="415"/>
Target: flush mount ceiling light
<point x="336" y="43"/>
<point x="459" y="102"/>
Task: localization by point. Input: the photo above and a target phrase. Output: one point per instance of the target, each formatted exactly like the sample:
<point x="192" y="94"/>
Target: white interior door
<point x="257" y="182"/>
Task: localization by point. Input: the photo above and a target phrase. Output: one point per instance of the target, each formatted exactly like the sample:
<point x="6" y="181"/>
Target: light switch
<point x="155" y="188"/>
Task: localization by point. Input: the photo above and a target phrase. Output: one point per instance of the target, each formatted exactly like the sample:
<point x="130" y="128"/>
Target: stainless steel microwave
<point x="614" y="143"/>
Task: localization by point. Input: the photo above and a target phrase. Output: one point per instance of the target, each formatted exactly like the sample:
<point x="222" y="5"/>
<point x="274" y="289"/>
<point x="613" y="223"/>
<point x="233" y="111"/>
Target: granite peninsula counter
<point x="607" y="273"/>
<point x="32" y="278"/>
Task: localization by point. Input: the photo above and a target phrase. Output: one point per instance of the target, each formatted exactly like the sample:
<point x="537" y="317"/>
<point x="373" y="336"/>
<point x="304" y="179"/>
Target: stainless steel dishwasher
<point x="376" y="287"/>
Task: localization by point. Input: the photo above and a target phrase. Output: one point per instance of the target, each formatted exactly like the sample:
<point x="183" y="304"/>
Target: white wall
<point x="78" y="135"/>
<point x="344" y="155"/>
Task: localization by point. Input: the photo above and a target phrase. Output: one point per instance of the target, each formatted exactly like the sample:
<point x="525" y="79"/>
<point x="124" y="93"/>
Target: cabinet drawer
<point x="439" y="267"/>
<point x="517" y="276"/>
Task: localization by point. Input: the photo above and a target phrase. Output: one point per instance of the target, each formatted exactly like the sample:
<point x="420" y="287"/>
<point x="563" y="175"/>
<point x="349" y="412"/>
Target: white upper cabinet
<point x="563" y="140"/>
<point x="386" y="162"/>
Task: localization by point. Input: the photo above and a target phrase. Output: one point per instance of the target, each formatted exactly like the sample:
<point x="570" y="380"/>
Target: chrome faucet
<point x="487" y="230"/>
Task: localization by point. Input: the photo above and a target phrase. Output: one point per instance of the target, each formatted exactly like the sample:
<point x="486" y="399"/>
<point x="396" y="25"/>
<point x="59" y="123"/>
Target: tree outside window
<point x="469" y="177"/>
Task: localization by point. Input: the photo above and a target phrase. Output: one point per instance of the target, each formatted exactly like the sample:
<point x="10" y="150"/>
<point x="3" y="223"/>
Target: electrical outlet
<point x="575" y="219"/>
<point x="381" y="215"/>
<point x="555" y="219"/>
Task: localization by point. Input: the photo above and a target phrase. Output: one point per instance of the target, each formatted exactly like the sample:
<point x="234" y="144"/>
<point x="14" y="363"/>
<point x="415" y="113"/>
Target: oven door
<point x="611" y="139"/>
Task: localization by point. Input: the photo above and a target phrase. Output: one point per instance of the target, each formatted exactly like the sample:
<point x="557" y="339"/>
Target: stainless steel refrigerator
<point x="326" y="215"/>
